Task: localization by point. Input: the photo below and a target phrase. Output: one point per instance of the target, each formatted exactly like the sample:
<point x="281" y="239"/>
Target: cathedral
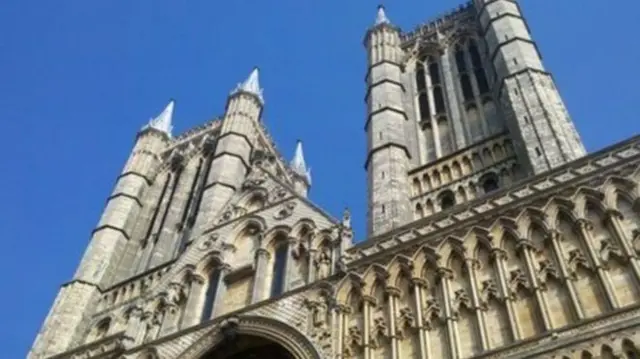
<point x="491" y="232"/>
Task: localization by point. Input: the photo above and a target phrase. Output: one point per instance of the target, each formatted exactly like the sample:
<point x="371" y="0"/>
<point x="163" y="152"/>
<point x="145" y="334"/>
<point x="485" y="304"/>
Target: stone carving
<point x="460" y="301"/>
<point x="152" y="321"/>
<point x="609" y="251"/>
<point x="353" y="343"/>
<point x="346" y="218"/>
<point x="379" y="332"/>
<point x="285" y="211"/>
<point x="547" y="271"/>
<point x="319" y="319"/>
<point x="405" y="322"/>
<point x="176" y="294"/>
<point x="323" y="263"/>
<point x="488" y="292"/>
<point x="231" y="213"/>
<point x="576" y="260"/>
<point x="517" y="282"/>
<point x="431" y="314"/>
<point x="209" y="242"/>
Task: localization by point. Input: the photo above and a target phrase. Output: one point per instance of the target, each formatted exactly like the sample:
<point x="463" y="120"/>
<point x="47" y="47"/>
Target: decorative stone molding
<point x="280" y="333"/>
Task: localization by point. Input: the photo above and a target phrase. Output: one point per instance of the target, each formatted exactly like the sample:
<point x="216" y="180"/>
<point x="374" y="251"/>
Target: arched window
<point x="478" y="70"/>
<point x="438" y="98"/>
<point x="210" y="296"/>
<point x="460" y="61"/>
<point x="490" y="183"/>
<point x="444" y="130"/>
<point x="483" y="85"/>
<point x="255" y="203"/>
<point x="447" y="200"/>
<point x="420" y="78"/>
<point x="475" y="55"/>
<point x="467" y="90"/>
<point x="102" y="328"/>
<point x="279" y="261"/>
<point x="434" y="73"/>
<point x="423" y="102"/>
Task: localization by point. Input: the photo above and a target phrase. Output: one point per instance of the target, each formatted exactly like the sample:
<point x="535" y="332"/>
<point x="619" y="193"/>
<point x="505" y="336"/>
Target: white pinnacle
<point x="299" y="166"/>
<point x="163" y="121"/>
<point x="381" y="18"/>
<point x="251" y="85"/>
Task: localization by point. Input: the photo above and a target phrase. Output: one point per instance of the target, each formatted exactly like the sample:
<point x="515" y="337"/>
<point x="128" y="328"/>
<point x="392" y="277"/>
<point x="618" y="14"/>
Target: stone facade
<point x="482" y="242"/>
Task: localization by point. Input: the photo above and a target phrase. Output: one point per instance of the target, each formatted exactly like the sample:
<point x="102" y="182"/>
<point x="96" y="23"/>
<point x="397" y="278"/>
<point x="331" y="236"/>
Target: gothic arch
<point x="210" y="260"/>
<point x="250" y="220"/>
<point x="614" y="185"/>
<point x="151" y="353"/>
<point x="296" y="343"/>
<point x="302" y="225"/>
<point x="274" y="234"/>
<point x="352" y="281"/>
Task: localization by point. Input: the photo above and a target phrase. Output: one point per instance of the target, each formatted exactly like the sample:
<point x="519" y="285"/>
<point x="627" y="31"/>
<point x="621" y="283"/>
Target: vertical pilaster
<point x="449" y="91"/>
<point x="498" y="256"/>
<point x="260" y="276"/>
<point x="554" y="238"/>
<point x="444" y="276"/>
<point x="193" y="306"/>
<point x="583" y="228"/>
<point x="543" y="309"/>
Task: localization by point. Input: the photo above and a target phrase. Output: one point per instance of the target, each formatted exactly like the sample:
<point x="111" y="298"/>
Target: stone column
<point x="221" y="289"/>
<point x="525" y="247"/>
<point x="584" y="228"/>
<point x="260" y="276"/>
<point x="498" y="257"/>
<point x="555" y="237"/>
<point x="193" y="306"/>
<point x="613" y="218"/>
<point x="445" y="275"/>
<point x="393" y="294"/>
<point x="448" y="90"/>
<point x="419" y="286"/>
<point x="471" y="266"/>
<point x="368" y="302"/>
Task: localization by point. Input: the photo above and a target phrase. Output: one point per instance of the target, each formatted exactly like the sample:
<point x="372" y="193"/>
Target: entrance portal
<point x="248" y="347"/>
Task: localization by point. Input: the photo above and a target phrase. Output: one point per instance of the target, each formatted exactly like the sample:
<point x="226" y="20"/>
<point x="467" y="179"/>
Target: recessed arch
<point x="289" y="338"/>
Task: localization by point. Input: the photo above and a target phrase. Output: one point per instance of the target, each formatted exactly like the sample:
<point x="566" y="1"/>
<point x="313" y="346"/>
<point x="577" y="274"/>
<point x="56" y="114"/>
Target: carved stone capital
<point x="583" y="224"/>
<point x="393" y="292"/>
<point x="419" y="282"/>
<point x="498" y="254"/>
<point x="444" y="273"/>
<point x="262" y="253"/>
<point x="369" y="300"/>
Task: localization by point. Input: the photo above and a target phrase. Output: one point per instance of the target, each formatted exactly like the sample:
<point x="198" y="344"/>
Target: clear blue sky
<point x="79" y="78"/>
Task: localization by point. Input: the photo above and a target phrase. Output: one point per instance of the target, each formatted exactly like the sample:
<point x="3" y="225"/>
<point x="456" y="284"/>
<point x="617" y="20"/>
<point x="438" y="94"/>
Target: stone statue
<point x="324" y="263"/>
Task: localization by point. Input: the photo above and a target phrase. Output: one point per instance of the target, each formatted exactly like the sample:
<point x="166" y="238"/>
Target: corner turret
<point x="388" y="155"/>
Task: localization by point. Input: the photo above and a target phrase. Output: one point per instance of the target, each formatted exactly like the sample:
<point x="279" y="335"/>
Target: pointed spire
<point x="163" y="121"/>
<point x="381" y="18"/>
<point x="299" y="166"/>
<point x="251" y="85"/>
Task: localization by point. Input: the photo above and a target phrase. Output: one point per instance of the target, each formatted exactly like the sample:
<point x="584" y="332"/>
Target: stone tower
<point x="459" y="107"/>
<point x="491" y="233"/>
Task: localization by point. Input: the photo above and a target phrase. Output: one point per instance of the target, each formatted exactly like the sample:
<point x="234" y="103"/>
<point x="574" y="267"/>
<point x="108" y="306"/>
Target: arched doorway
<point x="248" y="347"/>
